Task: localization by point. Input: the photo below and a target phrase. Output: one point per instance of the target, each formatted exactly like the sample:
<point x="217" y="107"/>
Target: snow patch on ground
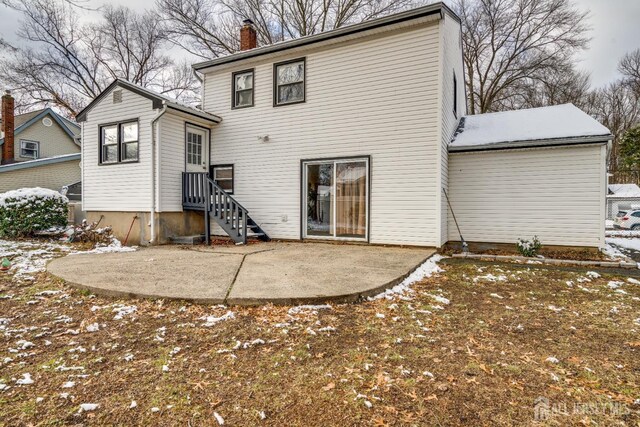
<point x="312" y="308"/>
<point x="114" y="246"/>
<point x="123" y="310"/>
<point x="622" y="233"/>
<point x="30" y="258"/>
<point x="427" y="269"/>
<point x="212" y="320"/>
<point x="616" y="243"/>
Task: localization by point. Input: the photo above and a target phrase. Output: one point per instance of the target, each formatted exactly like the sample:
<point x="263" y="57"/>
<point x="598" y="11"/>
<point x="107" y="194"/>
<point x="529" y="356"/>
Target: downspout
<point x="154" y="129"/>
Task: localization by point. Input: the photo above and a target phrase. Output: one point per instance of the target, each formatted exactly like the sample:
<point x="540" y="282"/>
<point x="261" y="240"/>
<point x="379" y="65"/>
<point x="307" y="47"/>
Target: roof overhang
<point x="39" y="162"/>
<point x="539" y="143"/>
<point x="157" y="100"/>
<point x="420" y="12"/>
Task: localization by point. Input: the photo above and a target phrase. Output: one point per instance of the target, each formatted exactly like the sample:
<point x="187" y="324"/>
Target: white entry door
<point x="197" y="149"/>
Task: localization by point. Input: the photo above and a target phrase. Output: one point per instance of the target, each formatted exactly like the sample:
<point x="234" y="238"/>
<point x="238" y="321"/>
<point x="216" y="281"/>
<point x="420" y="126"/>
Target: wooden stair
<point x="201" y="193"/>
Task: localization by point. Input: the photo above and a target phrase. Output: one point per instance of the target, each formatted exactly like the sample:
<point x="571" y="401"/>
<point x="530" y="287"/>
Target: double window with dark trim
<point x="119" y="142"/>
<point x="223" y="176"/>
<point x="289" y="80"/>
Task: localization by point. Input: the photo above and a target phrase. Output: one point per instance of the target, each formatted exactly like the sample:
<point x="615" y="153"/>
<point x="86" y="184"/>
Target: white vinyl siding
<point x="451" y="62"/>
<point x="121" y="186"/>
<point x="375" y="97"/>
<point x="554" y="193"/>
<point x="171" y="146"/>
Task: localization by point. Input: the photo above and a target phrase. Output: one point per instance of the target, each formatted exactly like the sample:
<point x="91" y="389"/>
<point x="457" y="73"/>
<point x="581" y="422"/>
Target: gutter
<point x="552" y="142"/>
<point x="154" y="137"/>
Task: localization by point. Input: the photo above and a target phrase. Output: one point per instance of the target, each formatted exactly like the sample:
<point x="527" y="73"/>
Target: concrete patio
<point x="276" y="272"/>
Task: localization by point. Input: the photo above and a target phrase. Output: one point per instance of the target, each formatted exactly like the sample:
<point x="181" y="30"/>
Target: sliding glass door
<point x="336" y="199"/>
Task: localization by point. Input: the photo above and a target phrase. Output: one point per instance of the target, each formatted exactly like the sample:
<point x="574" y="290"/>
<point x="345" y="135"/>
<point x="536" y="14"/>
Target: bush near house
<point x="528" y="248"/>
<point x="27" y="210"/>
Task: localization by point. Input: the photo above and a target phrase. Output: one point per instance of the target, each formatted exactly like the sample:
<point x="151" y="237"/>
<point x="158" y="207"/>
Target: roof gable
<point x="159" y="101"/>
<point x="24" y="121"/>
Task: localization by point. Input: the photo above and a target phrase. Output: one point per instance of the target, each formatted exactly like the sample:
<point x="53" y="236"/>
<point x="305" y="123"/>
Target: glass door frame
<point x="304" y="189"/>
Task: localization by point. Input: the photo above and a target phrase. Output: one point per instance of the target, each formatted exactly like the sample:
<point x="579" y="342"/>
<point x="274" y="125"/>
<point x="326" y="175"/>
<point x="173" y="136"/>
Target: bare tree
<point x="128" y="45"/>
<point x="629" y="66"/>
<point x="208" y="28"/>
<point x="197" y="26"/>
<point x="559" y="85"/>
<point x="617" y="107"/>
<point x="509" y="42"/>
<point x="67" y="63"/>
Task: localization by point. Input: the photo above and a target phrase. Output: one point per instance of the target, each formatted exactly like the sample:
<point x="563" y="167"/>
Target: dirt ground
<point x="471" y="345"/>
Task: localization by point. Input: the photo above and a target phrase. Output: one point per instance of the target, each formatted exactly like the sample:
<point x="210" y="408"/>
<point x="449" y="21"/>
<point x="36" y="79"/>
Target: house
<point x="38" y="149"/>
<point x="622" y="197"/>
<point x="358" y="134"/>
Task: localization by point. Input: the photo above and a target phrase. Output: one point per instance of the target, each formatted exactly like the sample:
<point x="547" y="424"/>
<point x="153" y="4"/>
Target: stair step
<point x="187" y="240"/>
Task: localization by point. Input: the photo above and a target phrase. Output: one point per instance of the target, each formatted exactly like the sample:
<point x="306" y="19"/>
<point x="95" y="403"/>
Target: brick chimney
<point x="248" y="35"/>
<point x="7" y="127"/>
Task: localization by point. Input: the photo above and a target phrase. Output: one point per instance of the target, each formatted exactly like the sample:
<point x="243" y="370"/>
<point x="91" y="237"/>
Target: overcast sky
<point x="615" y="31"/>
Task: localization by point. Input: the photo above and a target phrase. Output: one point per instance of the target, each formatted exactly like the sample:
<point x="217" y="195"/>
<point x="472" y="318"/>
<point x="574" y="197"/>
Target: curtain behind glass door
<point x="351" y="199"/>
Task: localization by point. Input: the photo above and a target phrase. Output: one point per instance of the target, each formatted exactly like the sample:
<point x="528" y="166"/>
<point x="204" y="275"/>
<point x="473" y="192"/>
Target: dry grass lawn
<point x="476" y="344"/>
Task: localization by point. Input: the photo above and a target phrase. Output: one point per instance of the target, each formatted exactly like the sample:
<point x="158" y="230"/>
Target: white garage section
<point x="530" y="172"/>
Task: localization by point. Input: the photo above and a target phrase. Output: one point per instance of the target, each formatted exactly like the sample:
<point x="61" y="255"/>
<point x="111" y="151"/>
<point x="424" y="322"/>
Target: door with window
<point x="197" y="149"/>
<point x="336" y="199"/>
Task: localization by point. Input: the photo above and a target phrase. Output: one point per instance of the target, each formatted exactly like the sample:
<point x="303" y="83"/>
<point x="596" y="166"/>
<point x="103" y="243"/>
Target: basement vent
<point x="117" y="96"/>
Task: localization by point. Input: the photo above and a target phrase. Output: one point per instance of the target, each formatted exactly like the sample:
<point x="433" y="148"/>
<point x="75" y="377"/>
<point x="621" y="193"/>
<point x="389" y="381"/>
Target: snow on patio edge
<point x="425" y="270"/>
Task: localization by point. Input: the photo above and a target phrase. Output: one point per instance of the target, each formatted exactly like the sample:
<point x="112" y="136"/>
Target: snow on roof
<point x="564" y="121"/>
<point x="624" y="190"/>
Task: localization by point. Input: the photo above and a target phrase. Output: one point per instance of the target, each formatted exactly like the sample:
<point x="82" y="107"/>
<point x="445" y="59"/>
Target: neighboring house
<point x="344" y="135"/>
<point x="39" y="149"/>
<point x="622" y="197"/>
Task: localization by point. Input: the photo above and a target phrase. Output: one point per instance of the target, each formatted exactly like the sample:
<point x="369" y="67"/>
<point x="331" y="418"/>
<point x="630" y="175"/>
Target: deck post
<point x="207" y="209"/>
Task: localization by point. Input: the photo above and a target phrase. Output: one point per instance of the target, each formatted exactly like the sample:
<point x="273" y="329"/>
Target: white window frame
<point x="335" y="205"/>
<point x="36" y="149"/>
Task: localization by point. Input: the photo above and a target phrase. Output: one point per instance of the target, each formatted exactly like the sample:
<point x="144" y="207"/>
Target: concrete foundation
<point x="167" y="225"/>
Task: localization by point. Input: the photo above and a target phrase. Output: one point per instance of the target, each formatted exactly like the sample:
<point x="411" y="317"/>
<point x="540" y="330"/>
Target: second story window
<point x="29" y="149"/>
<point x="289" y="82"/>
<point x="119" y="142"/>
<point x="243" y="89"/>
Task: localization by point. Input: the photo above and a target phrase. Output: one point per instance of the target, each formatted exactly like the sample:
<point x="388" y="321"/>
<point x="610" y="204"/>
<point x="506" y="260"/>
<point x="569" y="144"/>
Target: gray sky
<point x="615" y="31"/>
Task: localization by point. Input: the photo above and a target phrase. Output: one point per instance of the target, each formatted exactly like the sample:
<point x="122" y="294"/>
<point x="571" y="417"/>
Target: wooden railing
<point x="201" y="193"/>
